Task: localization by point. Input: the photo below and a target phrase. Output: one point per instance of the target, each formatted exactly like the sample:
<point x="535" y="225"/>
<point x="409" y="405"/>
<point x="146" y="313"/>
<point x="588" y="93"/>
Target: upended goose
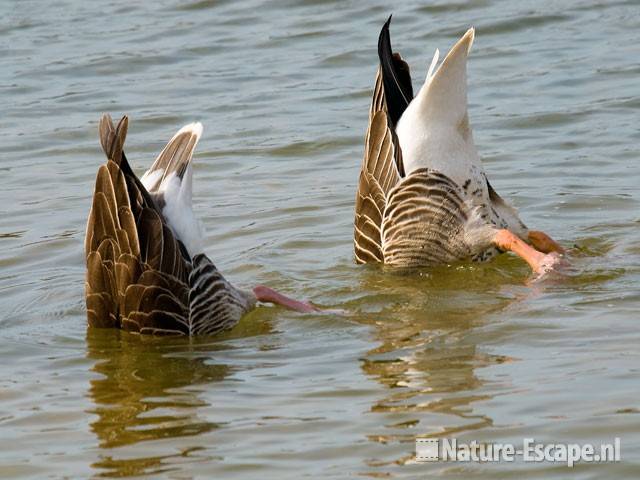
<point x="146" y="271"/>
<point x="423" y="197"/>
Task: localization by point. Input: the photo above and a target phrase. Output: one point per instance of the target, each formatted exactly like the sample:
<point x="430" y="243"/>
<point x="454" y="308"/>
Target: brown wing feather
<point x="378" y="175"/>
<point x="137" y="274"/>
<point x="379" y="103"/>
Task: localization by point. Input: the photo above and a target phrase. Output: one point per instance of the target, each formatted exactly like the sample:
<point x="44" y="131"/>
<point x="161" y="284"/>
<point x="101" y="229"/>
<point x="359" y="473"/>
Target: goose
<point x="146" y="269"/>
<point x="423" y="197"/>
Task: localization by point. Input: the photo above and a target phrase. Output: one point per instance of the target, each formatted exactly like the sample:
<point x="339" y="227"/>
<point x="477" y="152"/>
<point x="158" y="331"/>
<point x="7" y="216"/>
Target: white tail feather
<point x="162" y="179"/>
<point x="151" y="175"/>
<point x="179" y="213"/>
<point x="434" y="130"/>
<point x="432" y="67"/>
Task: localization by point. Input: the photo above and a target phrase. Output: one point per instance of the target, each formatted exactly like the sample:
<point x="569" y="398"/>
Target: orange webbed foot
<point x="540" y="262"/>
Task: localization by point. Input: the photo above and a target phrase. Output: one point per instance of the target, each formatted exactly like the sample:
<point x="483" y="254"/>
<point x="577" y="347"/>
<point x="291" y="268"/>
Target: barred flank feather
<point x="425" y="222"/>
<point x="214" y="303"/>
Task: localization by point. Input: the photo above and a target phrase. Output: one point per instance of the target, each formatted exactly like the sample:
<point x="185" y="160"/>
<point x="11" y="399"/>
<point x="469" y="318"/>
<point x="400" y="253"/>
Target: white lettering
<point x="449" y="448"/>
<point x="567" y="453"/>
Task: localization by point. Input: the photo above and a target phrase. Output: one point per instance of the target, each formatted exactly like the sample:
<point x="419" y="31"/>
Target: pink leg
<point x="266" y="294"/>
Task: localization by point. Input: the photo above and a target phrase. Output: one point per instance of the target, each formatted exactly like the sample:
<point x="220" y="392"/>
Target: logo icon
<point x="426" y="450"/>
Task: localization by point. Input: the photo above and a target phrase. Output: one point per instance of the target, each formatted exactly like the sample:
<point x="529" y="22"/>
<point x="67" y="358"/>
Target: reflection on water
<point x="149" y="389"/>
<point x="146" y="466"/>
<point x="283" y="89"/>
<point x="140" y="397"/>
<point x="427" y="358"/>
<point x="140" y="394"/>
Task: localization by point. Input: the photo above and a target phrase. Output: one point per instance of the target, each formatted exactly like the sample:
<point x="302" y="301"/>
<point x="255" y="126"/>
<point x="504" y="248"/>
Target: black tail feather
<point x="396" y="77"/>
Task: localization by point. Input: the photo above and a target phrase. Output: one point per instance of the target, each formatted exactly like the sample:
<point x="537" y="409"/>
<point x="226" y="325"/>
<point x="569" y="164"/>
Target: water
<point x="283" y="89"/>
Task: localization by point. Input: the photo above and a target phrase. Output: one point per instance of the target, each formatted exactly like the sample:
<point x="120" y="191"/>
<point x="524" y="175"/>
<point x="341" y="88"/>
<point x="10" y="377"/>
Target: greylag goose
<point x="146" y="270"/>
<point x="423" y="197"/>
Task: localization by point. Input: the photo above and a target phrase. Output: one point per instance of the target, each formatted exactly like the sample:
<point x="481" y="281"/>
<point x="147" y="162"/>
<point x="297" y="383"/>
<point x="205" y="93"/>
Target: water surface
<point x="283" y="89"/>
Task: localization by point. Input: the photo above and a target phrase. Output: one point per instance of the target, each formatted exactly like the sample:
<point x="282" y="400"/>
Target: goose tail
<point x="170" y="182"/>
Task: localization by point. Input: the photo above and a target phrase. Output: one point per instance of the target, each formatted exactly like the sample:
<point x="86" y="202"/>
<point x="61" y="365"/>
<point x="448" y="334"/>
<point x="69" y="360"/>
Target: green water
<point x="283" y="89"/>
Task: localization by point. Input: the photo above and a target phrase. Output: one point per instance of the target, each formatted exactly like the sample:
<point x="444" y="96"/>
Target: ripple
<point x="465" y="351"/>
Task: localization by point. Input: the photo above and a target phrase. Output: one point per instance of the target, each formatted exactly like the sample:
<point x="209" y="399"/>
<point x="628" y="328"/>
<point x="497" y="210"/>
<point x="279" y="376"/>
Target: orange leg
<point x="539" y="262"/>
<point x="543" y="242"/>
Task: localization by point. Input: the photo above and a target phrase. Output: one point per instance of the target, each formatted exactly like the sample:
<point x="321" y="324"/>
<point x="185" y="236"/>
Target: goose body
<point x="434" y="132"/>
<point x="423" y="196"/>
<point x="146" y="269"/>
